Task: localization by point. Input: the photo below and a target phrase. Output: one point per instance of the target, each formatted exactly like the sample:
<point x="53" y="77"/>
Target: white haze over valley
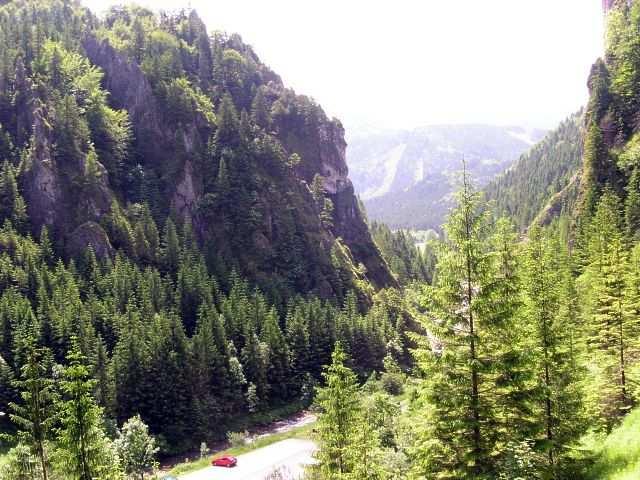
<point x="405" y="63"/>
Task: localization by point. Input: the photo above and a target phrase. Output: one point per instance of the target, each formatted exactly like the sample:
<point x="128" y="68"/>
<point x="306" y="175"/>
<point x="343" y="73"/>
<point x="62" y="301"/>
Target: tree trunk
<point x="475" y="400"/>
<point x="547" y="385"/>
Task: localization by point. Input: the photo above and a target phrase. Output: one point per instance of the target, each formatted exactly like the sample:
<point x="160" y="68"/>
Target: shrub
<point x="279" y="473"/>
<point x="204" y="450"/>
<point x="392" y="383"/>
<point x="237" y="439"/>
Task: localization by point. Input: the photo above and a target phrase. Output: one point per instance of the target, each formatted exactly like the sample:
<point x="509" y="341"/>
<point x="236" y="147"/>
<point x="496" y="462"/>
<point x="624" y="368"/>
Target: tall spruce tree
<point x="510" y="377"/>
<point x="456" y="443"/>
<point x="609" y="334"/>
<point x="35" y="414"/>
<point x="553" y="341"/>
<point x="347" y="446"/>
<point x="84" y="452"/>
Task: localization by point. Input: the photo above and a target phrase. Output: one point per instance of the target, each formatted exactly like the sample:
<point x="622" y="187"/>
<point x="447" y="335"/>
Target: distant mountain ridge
<point x="406" y="177"/>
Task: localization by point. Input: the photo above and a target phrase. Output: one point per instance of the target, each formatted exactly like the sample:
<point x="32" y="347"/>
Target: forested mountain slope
<point x="179" y="237"/>
<point x="406" y="178"/>
<point x="407" y="261"/>
<point x="101" y="116"/>
<point x="545" y="180"/>
<point x="611" y="157"/>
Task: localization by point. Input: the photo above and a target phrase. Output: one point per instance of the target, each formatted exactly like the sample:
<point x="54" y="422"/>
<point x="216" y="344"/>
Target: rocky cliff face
<point x="322" y="148"/>
<point x="57" y="191"/>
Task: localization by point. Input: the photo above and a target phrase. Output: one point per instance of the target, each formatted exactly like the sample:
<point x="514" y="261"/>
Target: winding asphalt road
<point x="290" y="455"/>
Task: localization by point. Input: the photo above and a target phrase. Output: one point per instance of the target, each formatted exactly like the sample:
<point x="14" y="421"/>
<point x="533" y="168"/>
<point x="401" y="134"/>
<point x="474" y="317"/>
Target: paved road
<point x="290" y="455"/>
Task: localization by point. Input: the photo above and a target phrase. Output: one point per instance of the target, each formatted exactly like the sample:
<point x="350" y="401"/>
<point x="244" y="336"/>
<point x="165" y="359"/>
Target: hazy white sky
<point x="405" y="63"/>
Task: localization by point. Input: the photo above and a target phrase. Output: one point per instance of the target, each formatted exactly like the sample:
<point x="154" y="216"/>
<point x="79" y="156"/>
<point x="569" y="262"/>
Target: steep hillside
<point x="179" y="238"/>
<point x="102" y="117"/>
<point x="611" y="157"/>
<point x="544" y="180"/>
<point x="406" y="178"/>
<point x="407" y="261"/>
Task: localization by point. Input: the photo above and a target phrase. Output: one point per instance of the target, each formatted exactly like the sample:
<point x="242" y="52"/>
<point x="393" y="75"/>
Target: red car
<point x="227" y="461"/>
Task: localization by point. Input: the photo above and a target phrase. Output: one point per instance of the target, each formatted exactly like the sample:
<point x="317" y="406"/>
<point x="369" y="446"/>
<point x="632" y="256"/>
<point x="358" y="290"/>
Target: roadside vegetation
<point x="244" y="446"/>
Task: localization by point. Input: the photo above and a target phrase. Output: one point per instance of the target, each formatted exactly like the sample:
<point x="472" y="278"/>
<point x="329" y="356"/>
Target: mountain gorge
<point x="406" y="178"/>
<point x="185" y="264"/>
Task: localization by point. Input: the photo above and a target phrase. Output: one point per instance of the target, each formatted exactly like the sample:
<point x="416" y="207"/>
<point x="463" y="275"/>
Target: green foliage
<point x="617" y="457"/>
<point x="237" y="439"/>
<point x="136" y="448"/>
<point x="12" y="205"/>
<point x="609" y="286"/>
<point x="84" y="450"/>
<point x="20" y="464"/>
<point x="632" y="205"/>
<point x="503" y="371"/>
<point x="35" y="415"/>
<point x="219" y="356"/>
<point x="556" y="345"/>
<point x="183" y="101"/>
<point x="543" y="177"/>
<point x="407" y="261"/>
<point x="348" y="446"/>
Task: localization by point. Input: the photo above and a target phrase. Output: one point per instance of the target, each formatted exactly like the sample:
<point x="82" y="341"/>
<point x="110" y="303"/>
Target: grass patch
<point x="4" y="454"/>
<point x="300" y="432"/>
<point x="617" y="457"/>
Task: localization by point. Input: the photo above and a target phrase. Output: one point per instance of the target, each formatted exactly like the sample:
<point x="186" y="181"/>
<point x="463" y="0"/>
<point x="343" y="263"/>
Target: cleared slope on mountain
<point x="405" y="178"/>
<point x="545" y="176"/>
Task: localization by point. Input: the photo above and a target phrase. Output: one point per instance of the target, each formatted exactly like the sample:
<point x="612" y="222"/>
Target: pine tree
<point x="338" y="423"/>
<point x="228" y="132"/>
<point x="511" y="377"/>
<point x="103" y="374"/>
<point x="169" y="394"/>
<point x="12" y="205"/>
<point x="84" y="452"/>
<point x="632" y="205"/>
<point x="8" y="394"/>
<point x="138" y="40"/>
<point x="35" y="415"/>
<point x="457" y="441"/>
<point x="170" y="247"/>
<point x="278" y="354"/>
<point x="553" y="339"/>
<point x="254" y="357"/>
<point x="297" y="334"/>
<point x="209" y="375"/>
<point x="609" y="332"/>
<point x="631" y="327"/>
<point x="260" y="110"/>
<point x="205" y="59"/>
<point x="130" y="367"/>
